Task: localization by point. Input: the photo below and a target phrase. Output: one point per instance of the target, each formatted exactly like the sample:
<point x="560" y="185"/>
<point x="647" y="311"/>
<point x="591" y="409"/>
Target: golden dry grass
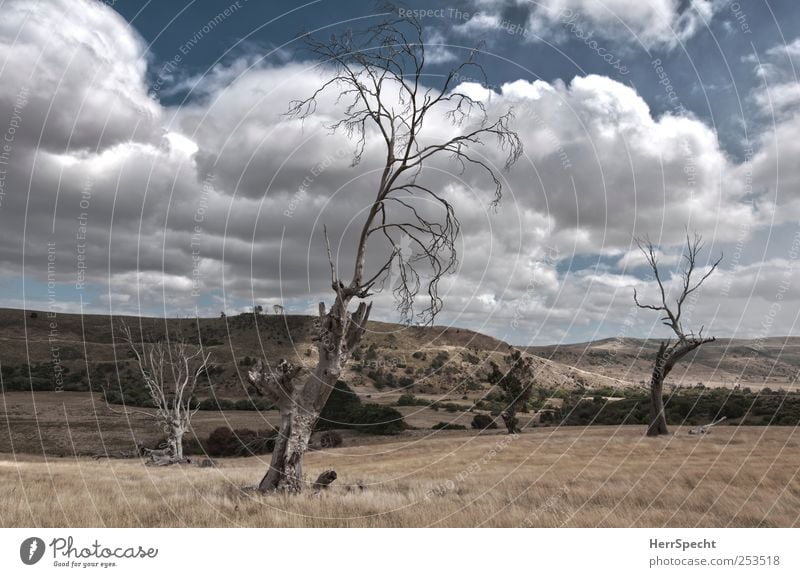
<point x="600" y="476"/>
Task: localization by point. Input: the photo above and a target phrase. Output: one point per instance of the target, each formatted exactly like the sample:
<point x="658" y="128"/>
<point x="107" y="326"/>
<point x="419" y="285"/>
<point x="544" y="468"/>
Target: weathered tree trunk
<point x="511" y="421"/>
<point x="300" y="407"/>
<point x="286" y="467"/>
<point x="658" y="418"/>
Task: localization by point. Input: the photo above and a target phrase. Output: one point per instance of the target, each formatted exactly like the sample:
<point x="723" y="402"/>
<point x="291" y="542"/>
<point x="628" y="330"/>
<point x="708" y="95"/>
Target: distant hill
<point x="772" y="362"/>
<point x="392" y="358"/>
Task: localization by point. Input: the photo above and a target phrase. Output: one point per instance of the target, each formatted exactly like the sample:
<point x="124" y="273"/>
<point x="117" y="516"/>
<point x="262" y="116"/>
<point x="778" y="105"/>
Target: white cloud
<point x="598" y="169"/>
<point x="664" y="23"/>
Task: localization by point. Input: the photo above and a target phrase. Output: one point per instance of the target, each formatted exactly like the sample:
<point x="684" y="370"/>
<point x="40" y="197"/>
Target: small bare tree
<point x="171" y="370"/>
<point x="670" y="352"/>
<point x="378" y="73"/>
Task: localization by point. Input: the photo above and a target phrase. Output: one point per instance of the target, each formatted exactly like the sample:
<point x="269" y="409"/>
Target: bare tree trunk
<point x="658" y="418"/>
<point x="511" y="421"/>
<point x="286" y="467"/>
<point x="300" y="407"/>
<point x="276" y="469"/>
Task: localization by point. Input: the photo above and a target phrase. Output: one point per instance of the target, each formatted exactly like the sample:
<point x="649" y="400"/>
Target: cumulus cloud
<point x="221" y="202"/>
<point x="656" y="23"/>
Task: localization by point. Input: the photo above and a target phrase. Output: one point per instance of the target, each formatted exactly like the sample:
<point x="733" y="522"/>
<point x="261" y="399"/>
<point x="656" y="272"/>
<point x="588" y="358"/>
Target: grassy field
<point x="599" y="476"/>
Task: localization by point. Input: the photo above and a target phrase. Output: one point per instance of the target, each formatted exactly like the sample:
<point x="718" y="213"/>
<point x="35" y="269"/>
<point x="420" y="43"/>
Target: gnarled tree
<point x="670" y="352"/>
<point x="171" y="370"/>
<point x="378" y="73"/>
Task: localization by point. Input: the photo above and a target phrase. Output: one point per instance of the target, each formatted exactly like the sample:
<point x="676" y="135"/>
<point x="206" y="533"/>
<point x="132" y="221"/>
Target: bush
<point x="440" y="426"/>
<point x="344" y="410"/>
<point x="227" y="442"/>
<point x="330" y="439"/>
<point x="407" y="400"/>
<point x="378" y="420"/>
<point x="482" y="421"/>
<point x="216" y="404"/>
<point x="253" y="404"/>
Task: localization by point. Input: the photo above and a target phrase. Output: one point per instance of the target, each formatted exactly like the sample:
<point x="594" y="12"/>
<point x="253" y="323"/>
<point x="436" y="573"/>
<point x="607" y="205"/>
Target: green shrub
<point x="344" y="410"/>
<point x="378" y="420"/>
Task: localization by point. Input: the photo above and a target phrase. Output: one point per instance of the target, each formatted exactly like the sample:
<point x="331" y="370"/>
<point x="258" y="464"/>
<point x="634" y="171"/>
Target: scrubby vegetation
<point x="482" y="421"/>
<point x="344" y="410"/>
<point x="441" y="425"/>
<point x="690" y="407"/>
<point x="227" y="442"/>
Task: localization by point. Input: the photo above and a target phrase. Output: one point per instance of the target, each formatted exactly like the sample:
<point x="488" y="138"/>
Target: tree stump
<point x="324" y="480"/>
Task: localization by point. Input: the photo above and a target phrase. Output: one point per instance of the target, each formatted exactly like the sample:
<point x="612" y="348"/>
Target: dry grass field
<point x="585" y="477"/>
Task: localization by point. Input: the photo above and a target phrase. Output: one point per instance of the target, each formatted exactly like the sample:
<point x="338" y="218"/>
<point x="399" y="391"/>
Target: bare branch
<point x="377" y="76"/>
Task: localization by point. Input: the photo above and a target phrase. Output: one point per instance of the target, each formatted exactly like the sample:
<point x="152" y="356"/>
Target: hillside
<point x="38" y="350"/>
<point x="772" y="362"/>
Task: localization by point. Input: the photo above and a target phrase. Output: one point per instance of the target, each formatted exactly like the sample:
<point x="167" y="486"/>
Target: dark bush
<point x="440" y="426"/>
<point x="330" y="439"/>
<point x="407" y="400"/>
<point x="378" y="420"/>
<point x="344" y="410"/>
<point x="482" y="421"/>
<point x="227" y="442"/>
<point x="216" y="404"/>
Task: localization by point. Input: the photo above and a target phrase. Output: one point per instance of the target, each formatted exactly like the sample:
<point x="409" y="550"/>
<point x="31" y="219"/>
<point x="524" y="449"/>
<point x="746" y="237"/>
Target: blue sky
<point x="637" y="118"/>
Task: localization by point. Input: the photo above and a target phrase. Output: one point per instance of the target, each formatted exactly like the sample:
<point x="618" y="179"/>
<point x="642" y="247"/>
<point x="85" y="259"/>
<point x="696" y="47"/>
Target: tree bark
<point x="511" y="421"/>
<point x="300" y="407"/>
<point x="658" y="418"/>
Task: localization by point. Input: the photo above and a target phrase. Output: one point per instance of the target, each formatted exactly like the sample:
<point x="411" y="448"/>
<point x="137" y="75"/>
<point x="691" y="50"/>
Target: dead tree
<point x="669" y="353"/>
<point x="324" y="480"/>
<point x="378" y="74"/>
<point x="171" y="370"/>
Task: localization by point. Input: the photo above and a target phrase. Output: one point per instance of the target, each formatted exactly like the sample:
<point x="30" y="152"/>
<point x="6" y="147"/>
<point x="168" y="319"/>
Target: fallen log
<point x="705" y="429"/>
